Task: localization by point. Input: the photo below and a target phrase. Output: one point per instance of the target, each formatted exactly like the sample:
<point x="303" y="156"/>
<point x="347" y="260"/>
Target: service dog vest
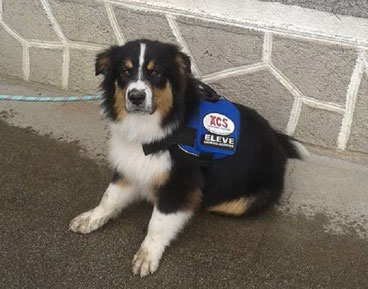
<point x="212" y="132"/>
<point x="217" y="126"/>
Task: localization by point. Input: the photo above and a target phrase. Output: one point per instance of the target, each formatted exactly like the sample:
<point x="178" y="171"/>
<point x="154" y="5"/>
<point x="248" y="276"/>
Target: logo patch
<point x="218" y="124"/>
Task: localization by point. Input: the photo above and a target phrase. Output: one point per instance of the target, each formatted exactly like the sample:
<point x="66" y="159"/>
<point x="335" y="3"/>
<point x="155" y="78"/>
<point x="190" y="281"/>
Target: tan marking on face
<point x="234" y="207"/>
<point x="119" y="102"/>
<point x="194" y="199"/>
<point x="128" y="64"/>
<point x="163" y="98"/>
<point x="150" y="65"/>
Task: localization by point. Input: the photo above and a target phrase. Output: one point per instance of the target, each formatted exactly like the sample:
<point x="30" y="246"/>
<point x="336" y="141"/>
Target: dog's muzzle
<point x="137" y="97"/>
<point x="139" y="101"/>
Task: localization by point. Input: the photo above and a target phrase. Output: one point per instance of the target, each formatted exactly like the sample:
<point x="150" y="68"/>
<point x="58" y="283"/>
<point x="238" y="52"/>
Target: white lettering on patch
<point x="218" y="141"/>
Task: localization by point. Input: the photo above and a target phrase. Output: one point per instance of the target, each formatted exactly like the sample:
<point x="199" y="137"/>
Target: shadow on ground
<point x="45" y="183"/>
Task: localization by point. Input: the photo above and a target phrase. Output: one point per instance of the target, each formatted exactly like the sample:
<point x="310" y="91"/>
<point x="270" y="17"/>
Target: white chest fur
<point x="130" y="161"/>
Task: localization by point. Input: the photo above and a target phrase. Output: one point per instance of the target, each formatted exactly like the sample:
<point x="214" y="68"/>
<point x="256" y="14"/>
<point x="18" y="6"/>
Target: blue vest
<point x="217" y="126"/>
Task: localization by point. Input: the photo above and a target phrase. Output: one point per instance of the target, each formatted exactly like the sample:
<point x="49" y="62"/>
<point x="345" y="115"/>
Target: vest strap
<point x="186" y="136"/>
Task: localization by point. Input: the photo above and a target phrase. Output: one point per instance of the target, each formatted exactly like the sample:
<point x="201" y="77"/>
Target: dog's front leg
<point x="119" y="194"/>
<point x="162" y="230"/>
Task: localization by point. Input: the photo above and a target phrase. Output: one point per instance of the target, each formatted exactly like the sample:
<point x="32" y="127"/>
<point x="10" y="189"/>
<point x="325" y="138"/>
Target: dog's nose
<point x="136" y="96"/>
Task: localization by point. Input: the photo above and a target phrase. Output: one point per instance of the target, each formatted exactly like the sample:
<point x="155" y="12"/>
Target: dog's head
<point x="143" y="78"/>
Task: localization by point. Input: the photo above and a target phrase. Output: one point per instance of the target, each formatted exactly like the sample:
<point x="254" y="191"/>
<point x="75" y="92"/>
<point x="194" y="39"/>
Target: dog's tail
<point x="292" y="148"/>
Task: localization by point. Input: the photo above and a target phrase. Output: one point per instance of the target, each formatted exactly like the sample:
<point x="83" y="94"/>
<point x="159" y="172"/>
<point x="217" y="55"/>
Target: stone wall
<point x="311" y="86"/>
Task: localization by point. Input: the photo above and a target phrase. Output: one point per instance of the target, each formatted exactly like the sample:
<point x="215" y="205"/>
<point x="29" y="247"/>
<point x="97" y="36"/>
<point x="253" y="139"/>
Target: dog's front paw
<point x="145" y="262"/>
<point x="87" y="222"/>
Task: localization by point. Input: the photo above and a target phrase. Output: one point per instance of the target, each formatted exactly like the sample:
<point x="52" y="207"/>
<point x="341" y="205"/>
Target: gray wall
<point x="358" y="8"/>
<point x="310" y="87"/>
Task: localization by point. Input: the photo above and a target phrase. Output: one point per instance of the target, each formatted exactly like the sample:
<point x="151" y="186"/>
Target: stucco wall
<point x="358" y="8"/>
<point x="309" y="80"/>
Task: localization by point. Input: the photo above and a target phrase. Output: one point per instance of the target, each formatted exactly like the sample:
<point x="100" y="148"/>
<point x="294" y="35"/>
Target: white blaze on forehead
<point x="141" y="60"/>
<point x="140" y="84"/>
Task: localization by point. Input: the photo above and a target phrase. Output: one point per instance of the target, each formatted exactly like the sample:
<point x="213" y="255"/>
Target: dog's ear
<point x="183" y="63"/>
<point x="103" y="61"/>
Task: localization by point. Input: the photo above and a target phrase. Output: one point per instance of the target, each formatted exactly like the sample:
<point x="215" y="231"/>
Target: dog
<point x="149" y="96"/>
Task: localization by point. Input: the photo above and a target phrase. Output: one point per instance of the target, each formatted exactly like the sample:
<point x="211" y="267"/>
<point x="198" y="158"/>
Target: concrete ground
<point x="53" y="167"/>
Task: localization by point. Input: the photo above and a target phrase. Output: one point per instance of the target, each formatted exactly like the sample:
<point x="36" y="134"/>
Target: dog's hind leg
<point x="235" y="207"/>
<point x="117" y="196"/>
<point x="248" y="206"/>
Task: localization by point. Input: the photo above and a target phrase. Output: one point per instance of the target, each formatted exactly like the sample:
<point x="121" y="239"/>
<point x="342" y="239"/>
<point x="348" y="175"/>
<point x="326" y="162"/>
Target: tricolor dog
<point x="177" y="144"/>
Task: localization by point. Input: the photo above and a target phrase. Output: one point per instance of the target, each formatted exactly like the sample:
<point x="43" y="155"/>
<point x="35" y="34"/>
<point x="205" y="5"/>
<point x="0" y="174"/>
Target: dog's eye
<point x="125" y="72"/>
<point x="155" y="73"/>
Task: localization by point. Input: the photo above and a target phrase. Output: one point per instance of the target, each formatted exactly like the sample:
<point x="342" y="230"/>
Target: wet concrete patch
<point x="44" y="183"/>
<point x="334" y="188"/>
<point x="297" y="253"/>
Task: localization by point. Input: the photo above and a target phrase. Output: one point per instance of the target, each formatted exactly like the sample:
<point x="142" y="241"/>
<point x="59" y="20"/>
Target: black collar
<point x="184" y="136"/>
